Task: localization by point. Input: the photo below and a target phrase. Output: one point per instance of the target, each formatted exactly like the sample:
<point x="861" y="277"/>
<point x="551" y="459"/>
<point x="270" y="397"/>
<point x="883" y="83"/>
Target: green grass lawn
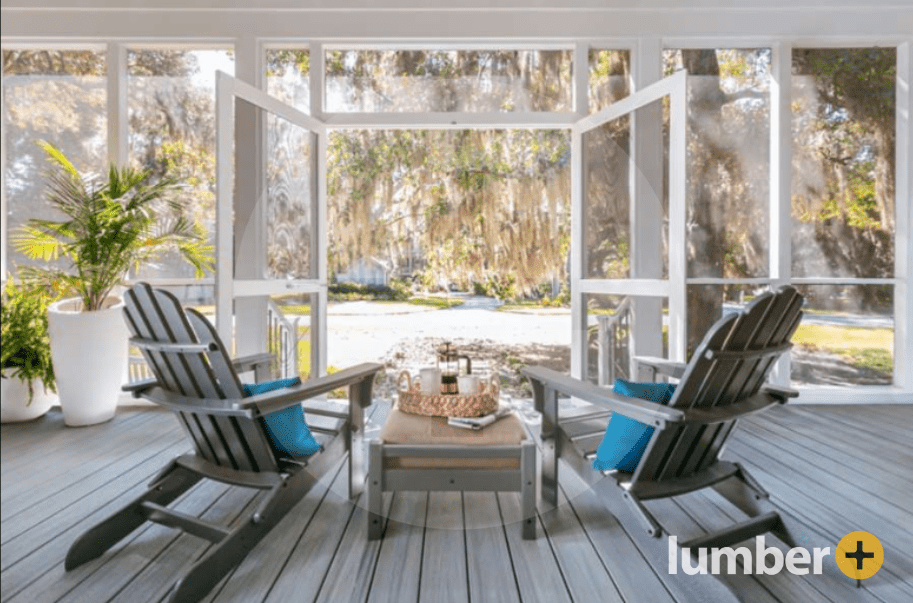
<point x="436" y="302"/>
<point x="861" y="347"/>
<point x="299" y="309"/>
<point x="526" y="305"/>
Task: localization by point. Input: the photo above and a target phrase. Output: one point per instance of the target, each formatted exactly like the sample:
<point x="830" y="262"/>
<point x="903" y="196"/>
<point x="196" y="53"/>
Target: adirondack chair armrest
<point x="137" y="388"/>
<point x="252" y="362"/>
<point x="653" y="366"/>
<point x="644" y="411"/>
<point x="782" y="394"/>
<point x="722" y="414"/>
<point x="361" y="375"/>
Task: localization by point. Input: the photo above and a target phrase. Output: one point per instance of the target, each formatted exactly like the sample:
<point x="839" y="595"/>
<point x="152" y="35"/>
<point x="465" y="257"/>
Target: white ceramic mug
<point x="430" y="379"/>
<point x="468" y="385"/>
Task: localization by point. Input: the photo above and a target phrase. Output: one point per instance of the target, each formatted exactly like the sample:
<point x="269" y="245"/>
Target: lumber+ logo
<point x="859" y="555"/>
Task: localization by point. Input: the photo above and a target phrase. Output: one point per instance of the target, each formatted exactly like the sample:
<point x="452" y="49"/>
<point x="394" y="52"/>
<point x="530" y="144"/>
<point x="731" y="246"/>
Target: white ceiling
<point x="558" y="5"/>
<point x="839" y="20"/>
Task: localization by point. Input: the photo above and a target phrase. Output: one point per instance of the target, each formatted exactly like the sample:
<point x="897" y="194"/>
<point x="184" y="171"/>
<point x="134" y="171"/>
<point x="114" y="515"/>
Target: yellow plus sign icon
<point x="859" y="555"/>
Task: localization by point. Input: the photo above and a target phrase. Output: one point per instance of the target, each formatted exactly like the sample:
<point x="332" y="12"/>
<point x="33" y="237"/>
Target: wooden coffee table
<point x="416" y="452"/>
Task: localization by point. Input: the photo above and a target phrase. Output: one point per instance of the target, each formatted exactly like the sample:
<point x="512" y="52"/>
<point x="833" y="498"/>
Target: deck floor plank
<point x="55" y="517"/>
<point x="536" y="569"/>
<point x="583" y="570"/>
<point x="252" y="579"/>
<point x="444" y="573"/>
<point x="839" y="462"/>
<point x="823" y="434"/>
<point x="306" y="566"/>
<point x="107" y="574"/>
<point x="836" y="588"/>
<point x="836" y="468"/>
<point x="876" y="421"/>
<point x="353" y="566"/>
<point x="633" y="575"/>
<point x="491" y="572"/>
<point x="397" y="574"/>
<point x="37" y="481"/>
<point x="54" y="435"/>
<point x="831" y="514"/>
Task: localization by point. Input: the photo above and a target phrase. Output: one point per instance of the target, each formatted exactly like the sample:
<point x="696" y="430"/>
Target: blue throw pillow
<point x="625" y="439"/>
<point x="287" y="428"/>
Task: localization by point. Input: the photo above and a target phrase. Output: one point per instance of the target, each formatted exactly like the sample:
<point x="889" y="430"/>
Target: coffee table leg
<point x="375" y="489"/>
<point x="528" y="488"/>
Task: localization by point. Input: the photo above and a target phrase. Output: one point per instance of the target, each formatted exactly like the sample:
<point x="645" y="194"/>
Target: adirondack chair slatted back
<point x="154" y="315"/>
<point x="730" y="365"/>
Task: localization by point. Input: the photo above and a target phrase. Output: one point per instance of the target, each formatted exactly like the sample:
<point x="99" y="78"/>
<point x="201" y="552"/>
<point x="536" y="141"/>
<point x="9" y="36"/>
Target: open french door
<point x="628" y="223"/>
<point x="271" y="228"/>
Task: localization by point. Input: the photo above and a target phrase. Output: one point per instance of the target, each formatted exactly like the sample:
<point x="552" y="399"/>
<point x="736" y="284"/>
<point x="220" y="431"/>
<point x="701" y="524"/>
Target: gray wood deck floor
<point x="840" y="469"/>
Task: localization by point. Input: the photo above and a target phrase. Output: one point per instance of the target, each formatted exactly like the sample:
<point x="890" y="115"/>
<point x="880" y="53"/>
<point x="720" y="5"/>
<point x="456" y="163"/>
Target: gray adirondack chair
<point x="196" y="378"/>
<point x="724" y="381"/>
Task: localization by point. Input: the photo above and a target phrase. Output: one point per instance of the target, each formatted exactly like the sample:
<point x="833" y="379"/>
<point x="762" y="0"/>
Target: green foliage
<point x="110" y="227"/>
<point x="435" y="302"/>
<point x="468" y="203"/>
<point x="356" y="292"/>
<point x="499" y="286"/>
<point x="277" y="61"/>
<point x="26" y="349"/>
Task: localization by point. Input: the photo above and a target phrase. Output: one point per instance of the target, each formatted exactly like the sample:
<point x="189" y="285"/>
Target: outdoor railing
<point x="282" y="340"/>
<point x="282" y="343"/>
<point x="613" y="344"/>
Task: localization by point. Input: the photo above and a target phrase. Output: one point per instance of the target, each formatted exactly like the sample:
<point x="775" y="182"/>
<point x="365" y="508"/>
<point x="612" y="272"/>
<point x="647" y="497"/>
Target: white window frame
<point x="249" y="51"/>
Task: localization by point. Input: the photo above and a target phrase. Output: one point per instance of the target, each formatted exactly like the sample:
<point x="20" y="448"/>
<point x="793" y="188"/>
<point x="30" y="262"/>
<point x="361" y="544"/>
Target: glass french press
<point x="448" y="360"/>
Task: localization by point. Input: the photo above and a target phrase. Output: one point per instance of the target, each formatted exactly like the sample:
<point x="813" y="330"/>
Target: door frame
<point x="672" y="288"/>
<point x="228" y="287"/>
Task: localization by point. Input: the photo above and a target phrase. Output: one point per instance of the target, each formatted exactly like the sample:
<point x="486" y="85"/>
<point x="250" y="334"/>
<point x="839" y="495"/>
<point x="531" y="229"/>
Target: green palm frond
<point x="56" y="156"/>
<point x="112" y="225"/>
<point x="38" y="243"/>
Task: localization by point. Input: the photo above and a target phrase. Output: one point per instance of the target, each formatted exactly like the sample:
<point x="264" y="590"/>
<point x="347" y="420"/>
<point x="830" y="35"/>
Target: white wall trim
<point x="118" y="111"/>
<point x="903" y="257"/>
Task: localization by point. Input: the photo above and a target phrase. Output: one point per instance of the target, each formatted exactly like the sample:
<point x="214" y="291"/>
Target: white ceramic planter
<point x="15" y="406"/>
<point x="89" y="350"/>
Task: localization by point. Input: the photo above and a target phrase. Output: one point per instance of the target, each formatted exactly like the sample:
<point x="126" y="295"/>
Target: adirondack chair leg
<point x="360" y="395"/>
<point x="375" y="490"/>
<point x="656" y="550"/>
<point x="528" y="488"/>
<point x="170" y="484"/>
<point x="546" y="401"/>
<point x="743" y="491"/>
<point x="227" y="554"/>
<point x="644" y="517"/>
<point x="355" y="444"/>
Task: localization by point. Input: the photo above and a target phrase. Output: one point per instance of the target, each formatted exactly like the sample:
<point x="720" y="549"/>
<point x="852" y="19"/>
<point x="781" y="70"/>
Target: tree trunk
<point x="706" y="241"/>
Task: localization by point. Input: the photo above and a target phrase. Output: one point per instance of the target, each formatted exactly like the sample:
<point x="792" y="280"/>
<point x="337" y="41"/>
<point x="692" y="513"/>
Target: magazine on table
<point x="477" y="423"/>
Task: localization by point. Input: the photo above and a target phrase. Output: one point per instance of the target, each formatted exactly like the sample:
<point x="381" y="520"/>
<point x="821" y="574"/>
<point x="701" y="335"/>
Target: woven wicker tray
<point x="412" y="400"/>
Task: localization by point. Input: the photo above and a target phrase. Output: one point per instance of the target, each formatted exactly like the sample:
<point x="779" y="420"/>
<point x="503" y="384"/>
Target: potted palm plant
<point x="27" y="371"/>
<point x="109" y="225"/>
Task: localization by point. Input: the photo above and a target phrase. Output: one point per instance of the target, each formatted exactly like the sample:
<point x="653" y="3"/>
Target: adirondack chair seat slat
<point x="195" y="377"/>
<point x="588" y="445"/>
<point x="585" y="428"/>
<point x="649" y="490"/>
<point x="723" y="382"/>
